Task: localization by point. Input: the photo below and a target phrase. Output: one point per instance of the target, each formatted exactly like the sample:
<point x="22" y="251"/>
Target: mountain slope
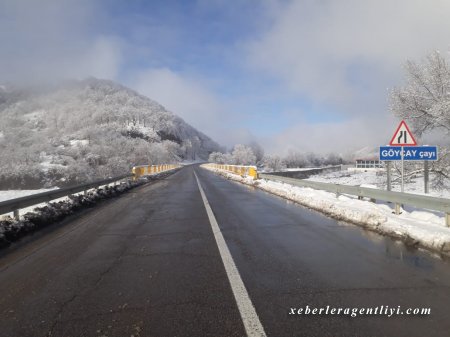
<point x="83" y="130"/>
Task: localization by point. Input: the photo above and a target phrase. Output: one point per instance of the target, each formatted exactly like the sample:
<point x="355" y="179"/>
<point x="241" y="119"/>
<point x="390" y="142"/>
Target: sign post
<point x="388" y="169"/>
<point x="403" y="170"/>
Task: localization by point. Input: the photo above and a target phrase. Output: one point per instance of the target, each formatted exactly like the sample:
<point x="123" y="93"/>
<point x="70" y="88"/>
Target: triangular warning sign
<point x="403" y="136"/>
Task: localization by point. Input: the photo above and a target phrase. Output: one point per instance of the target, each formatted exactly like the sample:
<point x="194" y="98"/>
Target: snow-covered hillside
<point x="83" y="130"/>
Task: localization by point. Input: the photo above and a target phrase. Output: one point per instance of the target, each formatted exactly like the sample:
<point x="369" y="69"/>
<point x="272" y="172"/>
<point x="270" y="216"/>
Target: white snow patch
<point x="47" y="162"/>
<point x="368" y="186"/>
<point x="32" y="116"/>
<point x="79" y="142"/>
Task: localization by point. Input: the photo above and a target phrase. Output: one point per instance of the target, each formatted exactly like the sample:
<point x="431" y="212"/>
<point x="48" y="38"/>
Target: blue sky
<point x="306" y="75"/>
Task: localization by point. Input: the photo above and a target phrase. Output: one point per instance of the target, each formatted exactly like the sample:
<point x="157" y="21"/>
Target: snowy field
<point x="378" y="179"/>
<point x="420" y="228"/>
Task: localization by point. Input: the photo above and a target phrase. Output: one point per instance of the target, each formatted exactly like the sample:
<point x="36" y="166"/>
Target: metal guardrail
<point x="250" y="171"/>
<point x="398" y="198"/>
<point x="13" y="205"/>
<point x="143" y="170"/>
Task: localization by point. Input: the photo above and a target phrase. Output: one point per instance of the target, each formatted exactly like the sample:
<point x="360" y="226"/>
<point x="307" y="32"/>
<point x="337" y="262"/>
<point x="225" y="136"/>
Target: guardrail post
<point x="253" y="172"/>
<point x="447" y="219"/>
<point x="16" y="214"/>
<point x="397" y="209"/>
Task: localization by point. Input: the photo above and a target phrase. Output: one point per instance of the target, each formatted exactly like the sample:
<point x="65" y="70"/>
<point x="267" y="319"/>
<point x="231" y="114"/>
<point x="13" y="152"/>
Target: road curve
<point x="148" y="264"/>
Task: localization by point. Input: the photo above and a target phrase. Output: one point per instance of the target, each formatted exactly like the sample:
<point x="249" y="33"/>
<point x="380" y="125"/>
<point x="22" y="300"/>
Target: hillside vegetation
<point x="83" y="130"/>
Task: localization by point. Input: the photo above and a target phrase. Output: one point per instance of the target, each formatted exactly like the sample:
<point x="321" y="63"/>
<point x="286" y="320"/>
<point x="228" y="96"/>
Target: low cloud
<point x="187" y="97"/>
<point x="53" y="39"/>
<point x="340" y="137"/>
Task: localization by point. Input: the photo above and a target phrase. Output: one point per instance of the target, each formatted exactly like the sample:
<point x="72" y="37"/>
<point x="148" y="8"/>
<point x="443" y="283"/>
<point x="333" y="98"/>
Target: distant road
<point x="169" y="260"/>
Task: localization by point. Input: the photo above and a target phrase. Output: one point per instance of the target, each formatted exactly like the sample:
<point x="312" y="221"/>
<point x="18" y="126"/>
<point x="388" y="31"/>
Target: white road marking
<point x="252" y="324"/>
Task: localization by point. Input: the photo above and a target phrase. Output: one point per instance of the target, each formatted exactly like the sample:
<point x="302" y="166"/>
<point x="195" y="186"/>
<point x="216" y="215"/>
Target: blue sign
<point x="409" y="153"/>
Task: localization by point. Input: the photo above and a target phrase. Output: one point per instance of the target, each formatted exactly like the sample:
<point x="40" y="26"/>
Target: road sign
<point x="388" y="153"/>
<point x="403" y="136"/>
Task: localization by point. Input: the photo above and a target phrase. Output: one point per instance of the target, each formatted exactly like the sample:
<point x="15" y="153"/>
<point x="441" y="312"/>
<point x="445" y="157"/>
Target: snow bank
<point x="416" y="228"/>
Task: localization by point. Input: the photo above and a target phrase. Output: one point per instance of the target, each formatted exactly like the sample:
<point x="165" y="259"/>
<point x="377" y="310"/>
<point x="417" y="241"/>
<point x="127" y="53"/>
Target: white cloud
<point x="52" y="39"/>
<point x="340" y="137"/>
<point x="317" y="47"/>
<point x="345" y="55"/>
<point x="188" y="97"/>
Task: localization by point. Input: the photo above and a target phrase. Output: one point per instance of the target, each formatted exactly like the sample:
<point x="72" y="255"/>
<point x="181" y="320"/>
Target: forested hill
<point x="84" y="130"/>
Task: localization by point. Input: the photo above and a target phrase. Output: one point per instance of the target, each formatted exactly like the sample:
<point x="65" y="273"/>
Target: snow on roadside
<point x="356" y="178"/>
<point x="415" y="228"/>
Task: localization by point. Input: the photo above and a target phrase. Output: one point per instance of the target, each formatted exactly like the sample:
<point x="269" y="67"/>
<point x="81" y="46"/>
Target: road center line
<point x="252" y="324"/>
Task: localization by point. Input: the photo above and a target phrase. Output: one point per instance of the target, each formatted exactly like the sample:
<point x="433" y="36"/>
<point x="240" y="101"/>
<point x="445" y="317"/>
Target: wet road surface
<point x="148" y="264"/>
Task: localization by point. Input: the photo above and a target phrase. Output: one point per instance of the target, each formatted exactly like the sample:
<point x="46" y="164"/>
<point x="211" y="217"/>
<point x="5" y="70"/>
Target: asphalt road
<point x="148" y="264"/>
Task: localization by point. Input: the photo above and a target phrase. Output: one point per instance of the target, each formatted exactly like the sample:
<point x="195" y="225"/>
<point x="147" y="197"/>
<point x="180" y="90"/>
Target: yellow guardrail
<point x="144" y="170"/>
<point x="244" y="171"/>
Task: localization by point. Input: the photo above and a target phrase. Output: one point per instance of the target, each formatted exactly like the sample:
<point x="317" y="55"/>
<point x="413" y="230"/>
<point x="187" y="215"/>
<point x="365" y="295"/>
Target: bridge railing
<point x="242" y="170"/>
<point x="14" y="205"/>
<point x="397" y="198"/>
<point x="143" y="170"/>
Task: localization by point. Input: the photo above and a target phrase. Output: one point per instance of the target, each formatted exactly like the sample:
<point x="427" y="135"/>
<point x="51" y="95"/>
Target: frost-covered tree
<point x="243" y="155"/>
<point x="295" y="159"/>
<point x="273" y="163"/>
<point x="258" y="151"/>
<point x="333" y="159"/>
<point x="424" y="102"/>
<point x="217" y="157"/>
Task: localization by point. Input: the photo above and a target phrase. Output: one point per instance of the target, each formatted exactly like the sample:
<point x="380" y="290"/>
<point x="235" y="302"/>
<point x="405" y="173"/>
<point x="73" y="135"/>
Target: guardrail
<point x="139" y="171"/>
<point x="397" y="198"/>
<point x="245" y="171"/>
<point x="14" y="205"/>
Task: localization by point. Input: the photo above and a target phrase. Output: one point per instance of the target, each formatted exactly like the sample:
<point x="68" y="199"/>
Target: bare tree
<point x="258" y="151"/>
<point x="243" y="155"/>
<point x="217" y="157"/>
<point x="424" y="101"/>
<point x="273" y="163"/>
